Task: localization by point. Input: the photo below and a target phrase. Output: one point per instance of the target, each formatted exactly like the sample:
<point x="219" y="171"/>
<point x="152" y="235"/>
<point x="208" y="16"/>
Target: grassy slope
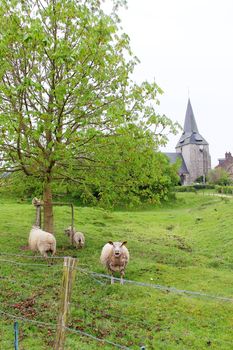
<point x="187" y="246"/>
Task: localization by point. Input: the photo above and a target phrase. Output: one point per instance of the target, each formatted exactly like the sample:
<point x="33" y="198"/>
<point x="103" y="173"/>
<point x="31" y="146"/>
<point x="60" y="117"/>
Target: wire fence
<point x="52" y="274"/>
<point x="71" y="330"/>
<point x="158" y="286"/>
<point x="39" y="323"/>
<point x="96" y="275"/>
<point x="79" y="332"/>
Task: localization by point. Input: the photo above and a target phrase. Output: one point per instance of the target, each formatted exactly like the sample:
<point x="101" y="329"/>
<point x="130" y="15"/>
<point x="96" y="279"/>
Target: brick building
<point x="226" y="163"/>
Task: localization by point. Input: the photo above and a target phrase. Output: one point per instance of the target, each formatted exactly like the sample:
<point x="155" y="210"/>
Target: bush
<point x="194" y="187"/>
<point x="224" y="189"/>
<point x="188" y="188"/>
<point x="204" y="186"/>
<point x="219" y="176"/>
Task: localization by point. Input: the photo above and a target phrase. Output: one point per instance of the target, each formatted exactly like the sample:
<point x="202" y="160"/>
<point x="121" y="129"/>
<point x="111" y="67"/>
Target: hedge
<point x="194" y="188"/>
<point x="224" y="189"/>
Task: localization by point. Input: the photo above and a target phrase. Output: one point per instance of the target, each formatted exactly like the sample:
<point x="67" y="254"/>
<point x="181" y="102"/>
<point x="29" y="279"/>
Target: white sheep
<point x="115" y="257"/>
<point x="42" y="241"/>
<point x="76" y="238"/>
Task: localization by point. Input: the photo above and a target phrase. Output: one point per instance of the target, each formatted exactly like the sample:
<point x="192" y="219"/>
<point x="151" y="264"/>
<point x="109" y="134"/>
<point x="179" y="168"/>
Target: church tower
<point x="194" y="149"/>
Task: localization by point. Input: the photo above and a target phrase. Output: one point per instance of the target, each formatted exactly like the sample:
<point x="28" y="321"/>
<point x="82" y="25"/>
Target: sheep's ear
<point x="124" y="243"/>
<point x="110" y="242"/>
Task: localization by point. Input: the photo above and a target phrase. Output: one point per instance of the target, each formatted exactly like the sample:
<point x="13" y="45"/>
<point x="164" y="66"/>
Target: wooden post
<point x="16" y="331"/>
<point x="66" y="289"/>
<point x="40" y="205"/>
<point x="37" y="203"/>
<point x="38" y="215"/>
<point x="72" y="224"/>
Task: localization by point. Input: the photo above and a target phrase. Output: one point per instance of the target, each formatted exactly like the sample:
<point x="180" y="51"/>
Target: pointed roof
<point x="190" y="122"/>
<point x="190" y="132"/>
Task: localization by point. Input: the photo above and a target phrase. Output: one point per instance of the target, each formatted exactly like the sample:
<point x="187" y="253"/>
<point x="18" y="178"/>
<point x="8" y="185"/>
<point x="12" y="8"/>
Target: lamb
<point x="115" y="257"/>
<point x="76" y="238"/>
<point x="42" y="241"/>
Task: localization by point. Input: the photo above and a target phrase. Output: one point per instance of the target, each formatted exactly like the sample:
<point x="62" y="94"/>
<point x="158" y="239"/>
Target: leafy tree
<point x="219" y="176"/>
<point x="65" y="84"/>
<point x="129" y="171"/>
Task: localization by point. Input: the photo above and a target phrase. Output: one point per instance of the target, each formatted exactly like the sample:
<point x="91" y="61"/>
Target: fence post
<point x="66" y="289"/>
<point x="16" y="331"/>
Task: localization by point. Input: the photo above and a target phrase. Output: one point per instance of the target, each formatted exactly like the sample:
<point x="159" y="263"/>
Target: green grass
<point x="187" y="245"/>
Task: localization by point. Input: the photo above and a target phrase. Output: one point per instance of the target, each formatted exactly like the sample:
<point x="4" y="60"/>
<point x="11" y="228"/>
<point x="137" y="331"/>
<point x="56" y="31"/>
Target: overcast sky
<point x="188" y="45"/>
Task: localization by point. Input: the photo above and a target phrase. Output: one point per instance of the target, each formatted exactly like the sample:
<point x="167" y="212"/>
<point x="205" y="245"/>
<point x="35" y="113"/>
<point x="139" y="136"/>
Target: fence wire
<point x="157" y="286"/>
<point x="97" y="276"/>
<point x="85" y="334"/>
<point x="29" y="264"/>
<point x="72" y="330"/>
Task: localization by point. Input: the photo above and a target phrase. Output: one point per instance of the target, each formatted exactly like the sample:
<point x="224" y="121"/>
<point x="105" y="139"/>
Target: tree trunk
<point x="48" y="208"/>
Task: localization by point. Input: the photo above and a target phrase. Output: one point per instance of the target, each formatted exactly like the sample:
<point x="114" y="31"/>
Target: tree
<point x="130" y="171"/>
<point x="219" y="176"/>
<point x="65" y="83"/>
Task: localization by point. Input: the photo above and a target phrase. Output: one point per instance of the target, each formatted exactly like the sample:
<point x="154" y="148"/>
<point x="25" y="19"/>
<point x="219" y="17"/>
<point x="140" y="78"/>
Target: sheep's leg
<point x="112" y="279"/>
<point x="43" y="253"/>
<point x="35" y="253"/>
<point x="122" y="275"/>
<point x="52" y="257"/>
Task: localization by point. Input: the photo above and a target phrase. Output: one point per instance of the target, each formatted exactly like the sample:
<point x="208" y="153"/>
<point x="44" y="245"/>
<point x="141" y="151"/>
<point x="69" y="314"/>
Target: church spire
<point x="190" y="133"/>
<point x="190" y="122"/>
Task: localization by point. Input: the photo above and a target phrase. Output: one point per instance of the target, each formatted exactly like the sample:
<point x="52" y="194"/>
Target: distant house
<point x="226" y="163"/>
<point x="193" y="150"/>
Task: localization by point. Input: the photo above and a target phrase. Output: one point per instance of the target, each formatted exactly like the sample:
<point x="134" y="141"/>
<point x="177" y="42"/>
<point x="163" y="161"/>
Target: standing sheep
<point x="39" y="239"/>
<point x="114" y="257"/>
<point x="76" y="238"/>
<point x="42" y="241"/>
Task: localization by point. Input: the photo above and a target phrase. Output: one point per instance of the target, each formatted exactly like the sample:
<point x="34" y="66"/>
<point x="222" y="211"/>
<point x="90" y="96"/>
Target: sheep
<point x="42" y="241"/>
<point x="36" y="201"/>
<point x="115" y="257"/>
<point x="76" y="238"/>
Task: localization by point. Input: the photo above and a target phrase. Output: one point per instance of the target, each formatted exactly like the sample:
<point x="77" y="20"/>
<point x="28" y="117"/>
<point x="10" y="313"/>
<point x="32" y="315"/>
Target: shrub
<point x="188" y="188"/>
<point x="224" y="189"/>
<point x="194" y="187"/>
<point x="219" y="176"/>
<point x="204" y="186"/>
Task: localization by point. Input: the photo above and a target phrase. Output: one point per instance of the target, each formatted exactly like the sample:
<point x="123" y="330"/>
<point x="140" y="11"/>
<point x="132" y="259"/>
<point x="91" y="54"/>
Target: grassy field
<point x="188" y="245"/>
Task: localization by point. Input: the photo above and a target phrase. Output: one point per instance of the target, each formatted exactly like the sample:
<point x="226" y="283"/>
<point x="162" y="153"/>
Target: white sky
<point x="187" y="45"/>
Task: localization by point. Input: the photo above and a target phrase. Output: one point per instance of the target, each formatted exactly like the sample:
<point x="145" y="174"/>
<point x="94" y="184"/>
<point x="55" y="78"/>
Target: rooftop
<point x="190" y="133"/>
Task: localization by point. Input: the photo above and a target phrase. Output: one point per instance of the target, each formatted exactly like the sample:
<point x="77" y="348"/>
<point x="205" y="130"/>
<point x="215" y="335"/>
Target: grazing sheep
<point x="42" y="241"/>
<point x="114" y="257"/>
<point x="76" y="238"/>
<point x="36" y="201"/>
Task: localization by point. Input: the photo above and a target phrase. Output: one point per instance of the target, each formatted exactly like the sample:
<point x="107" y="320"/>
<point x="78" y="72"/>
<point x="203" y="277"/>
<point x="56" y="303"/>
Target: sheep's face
<point x="68" y="231"/>
<point x="117" y="248"/>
